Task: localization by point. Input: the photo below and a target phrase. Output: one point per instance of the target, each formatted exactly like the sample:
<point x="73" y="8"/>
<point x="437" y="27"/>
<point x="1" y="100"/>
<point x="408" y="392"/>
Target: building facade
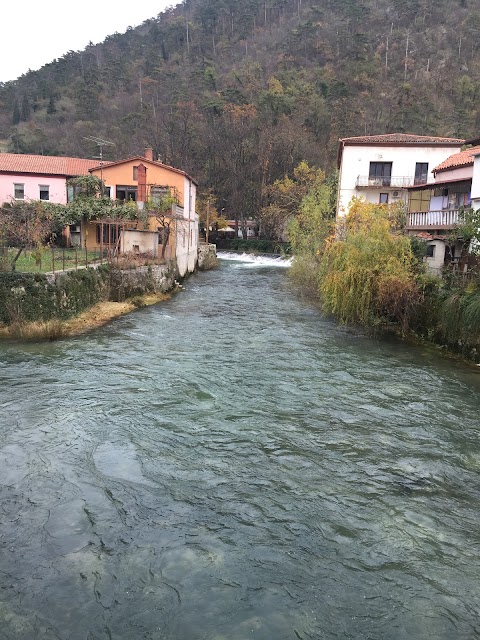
<point x="381" y="168"/>
<point x="435" y="209"/>
<point x="141" y="180"/>
<point x="34" y="177"/>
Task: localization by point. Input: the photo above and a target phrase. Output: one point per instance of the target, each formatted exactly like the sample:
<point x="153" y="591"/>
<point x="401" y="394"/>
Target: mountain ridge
<point x="236" y="93"/>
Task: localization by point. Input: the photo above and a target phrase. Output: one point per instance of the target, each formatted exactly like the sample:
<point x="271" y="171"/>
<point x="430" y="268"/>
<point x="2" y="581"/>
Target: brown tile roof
<point x="45" y="165"/>
<point x="462" y="159"/>
<point x="424" y="235"/>
<point x="401" y="138"/>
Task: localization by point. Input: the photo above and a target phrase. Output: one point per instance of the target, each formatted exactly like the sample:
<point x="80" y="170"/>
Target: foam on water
<point x="251" y="260"/>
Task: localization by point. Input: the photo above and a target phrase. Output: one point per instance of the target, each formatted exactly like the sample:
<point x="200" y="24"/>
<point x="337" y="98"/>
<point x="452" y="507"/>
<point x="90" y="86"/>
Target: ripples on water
<point x="230" y="465"/>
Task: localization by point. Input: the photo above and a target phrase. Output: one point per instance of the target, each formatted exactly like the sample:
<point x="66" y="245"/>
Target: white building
<point x="476" y="182"/>
<point x="380" y="168"/>
<point x="435" y="209"/>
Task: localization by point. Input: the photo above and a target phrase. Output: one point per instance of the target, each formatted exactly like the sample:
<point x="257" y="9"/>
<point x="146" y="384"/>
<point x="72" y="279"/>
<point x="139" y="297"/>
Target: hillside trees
<point x="283" y="200"/>
<point x="308" y="73"/>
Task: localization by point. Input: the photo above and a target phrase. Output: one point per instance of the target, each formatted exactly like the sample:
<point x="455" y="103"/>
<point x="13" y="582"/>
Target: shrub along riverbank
<point x="369" y="273"/>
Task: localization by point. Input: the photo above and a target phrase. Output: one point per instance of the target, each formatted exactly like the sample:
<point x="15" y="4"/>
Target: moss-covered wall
<point x="27" y="297"/>
<point x="128" y="283"/>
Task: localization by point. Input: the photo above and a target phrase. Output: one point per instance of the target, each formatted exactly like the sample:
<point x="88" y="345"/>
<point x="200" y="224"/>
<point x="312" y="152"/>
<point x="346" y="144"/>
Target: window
<point x="430" y="251"/>
<point x="19" y="191"/>
<point x="157" y="193"/>
<point x="44" y="191"/>
<point x="380" y="174"/>
<point x="110" y="233"/>
<point x="135" y="173"/>
<point x="383" y="198"/>
<point x="126" y="193"/>
<point x="107" y="191"/>
<point x="421" y="172"/>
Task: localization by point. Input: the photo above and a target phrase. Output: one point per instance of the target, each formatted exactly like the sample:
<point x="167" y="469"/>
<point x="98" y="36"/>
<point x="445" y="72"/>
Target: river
<point x="229" y="465"/>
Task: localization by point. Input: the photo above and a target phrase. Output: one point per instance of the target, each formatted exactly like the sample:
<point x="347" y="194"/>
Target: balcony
<point x="377" y="182"/>
<point x="446" y="219"/>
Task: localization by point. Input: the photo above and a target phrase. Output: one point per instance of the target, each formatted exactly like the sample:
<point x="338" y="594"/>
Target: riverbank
<point x="35" y="307"/>
<point x="97" y="316"/>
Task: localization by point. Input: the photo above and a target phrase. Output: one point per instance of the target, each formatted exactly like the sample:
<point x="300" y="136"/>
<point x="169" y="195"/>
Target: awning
<point x="441" y="184"/>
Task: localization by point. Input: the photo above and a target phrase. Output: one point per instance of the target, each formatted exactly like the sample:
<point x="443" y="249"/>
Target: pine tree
<point x="51" y="106"/>
<point x="16" y="113"/>
<point x="25" y="108"/>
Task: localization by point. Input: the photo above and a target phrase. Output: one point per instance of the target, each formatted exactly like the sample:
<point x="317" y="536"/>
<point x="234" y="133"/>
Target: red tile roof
<point x="462" y="159"/>
<point x="45" y="165"/>
<point x="401" y="138"/>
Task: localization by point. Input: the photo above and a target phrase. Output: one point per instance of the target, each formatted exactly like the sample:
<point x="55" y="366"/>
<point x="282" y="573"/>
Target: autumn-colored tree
<point x="284" y="197"/>
<point x="208" y="213"/>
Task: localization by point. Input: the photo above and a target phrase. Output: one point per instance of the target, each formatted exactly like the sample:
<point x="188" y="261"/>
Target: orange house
<point x="138" y="180"/>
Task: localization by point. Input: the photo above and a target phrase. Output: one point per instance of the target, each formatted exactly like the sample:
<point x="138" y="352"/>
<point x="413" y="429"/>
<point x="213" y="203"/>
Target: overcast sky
<point x="35" y="33"/>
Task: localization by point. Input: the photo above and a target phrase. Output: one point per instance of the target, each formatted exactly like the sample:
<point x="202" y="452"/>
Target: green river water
<point x="229" y="465"/>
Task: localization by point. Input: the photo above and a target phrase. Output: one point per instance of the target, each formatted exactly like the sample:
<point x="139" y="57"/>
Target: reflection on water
<point x="230" y="465"/>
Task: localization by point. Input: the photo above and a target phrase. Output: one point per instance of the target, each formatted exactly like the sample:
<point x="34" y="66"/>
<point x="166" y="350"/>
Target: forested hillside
<point x="237" y="92"/>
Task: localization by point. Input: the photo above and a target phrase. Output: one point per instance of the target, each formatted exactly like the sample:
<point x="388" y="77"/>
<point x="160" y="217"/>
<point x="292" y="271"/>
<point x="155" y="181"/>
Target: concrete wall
<point x="187" y="245"/>
<point x="57" y="187"/>
<point x="461" y="173"/>
<point x="187" y="230"/>
<point x="436" y="262"/>
<point x="136" y="241"/>
<point x="356" y="162"/>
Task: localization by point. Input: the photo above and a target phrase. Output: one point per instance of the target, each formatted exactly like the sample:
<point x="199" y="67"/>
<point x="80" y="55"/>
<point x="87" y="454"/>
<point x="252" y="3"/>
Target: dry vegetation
<point x="97" y="316"/>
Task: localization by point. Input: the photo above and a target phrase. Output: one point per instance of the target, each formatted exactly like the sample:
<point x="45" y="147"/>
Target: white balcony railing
<point x="395" y="182"/>
<point x="433" y="219"/>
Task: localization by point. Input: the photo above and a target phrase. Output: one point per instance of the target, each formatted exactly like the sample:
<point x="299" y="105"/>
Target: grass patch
<point x="45" y="260"/>
<point x="34" y="331"/>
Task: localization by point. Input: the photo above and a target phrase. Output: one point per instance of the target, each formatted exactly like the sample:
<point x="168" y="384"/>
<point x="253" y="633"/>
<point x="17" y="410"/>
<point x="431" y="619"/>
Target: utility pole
<point x="207" y="228"/>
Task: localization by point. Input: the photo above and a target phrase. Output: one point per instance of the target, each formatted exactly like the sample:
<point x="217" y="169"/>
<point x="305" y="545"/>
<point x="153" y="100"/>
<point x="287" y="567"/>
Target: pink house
<point x="32" y="177"/>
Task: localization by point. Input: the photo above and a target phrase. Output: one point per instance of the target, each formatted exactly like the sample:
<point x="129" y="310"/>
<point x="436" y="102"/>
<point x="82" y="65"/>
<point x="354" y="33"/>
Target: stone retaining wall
<point x="26" y="297"/>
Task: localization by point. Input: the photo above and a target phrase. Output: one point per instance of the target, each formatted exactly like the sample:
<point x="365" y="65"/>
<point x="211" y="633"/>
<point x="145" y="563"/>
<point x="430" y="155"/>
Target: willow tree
<point x="308" y="230"/>
<point x="368" y="275"/>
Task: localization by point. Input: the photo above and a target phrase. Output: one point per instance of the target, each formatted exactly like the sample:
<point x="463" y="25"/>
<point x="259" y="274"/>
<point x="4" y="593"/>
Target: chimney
<point x="142" y="183"/>
<point x="149" y="153"/>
